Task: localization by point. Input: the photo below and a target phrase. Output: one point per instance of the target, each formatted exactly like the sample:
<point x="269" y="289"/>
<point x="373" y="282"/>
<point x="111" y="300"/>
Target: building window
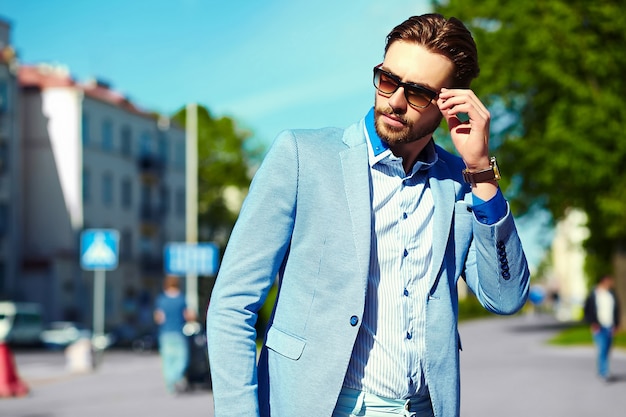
<point x="179" y="156"/>
<point x="86" y="186"/>
<point x="4" y="158"/>
<point x="145" y="144"/>
<point x="127" y="193"/>
<point x="107" y="189"/>
<point x="4" y="97"/>
<point x="126" y="141"/>
<point x="107" y="135"/>
<point x="163" y="147"/>
<point x="3" y="280"/>
<point x="85" y="129"/>
<point x="4" y="219"/>
<point x="146" y="195"/>
<point x="180" y="203"/>
<point x="165" y="200"/>
<point x="126" y="244"/>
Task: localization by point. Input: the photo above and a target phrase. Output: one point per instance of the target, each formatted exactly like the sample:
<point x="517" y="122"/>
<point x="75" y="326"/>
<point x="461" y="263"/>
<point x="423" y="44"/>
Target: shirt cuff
<point x="492" y="211"/>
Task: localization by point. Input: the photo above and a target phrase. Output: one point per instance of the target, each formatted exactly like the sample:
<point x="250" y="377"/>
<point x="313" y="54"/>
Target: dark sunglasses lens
<point x="417" y="97"/>
<point x="384" y="83"/>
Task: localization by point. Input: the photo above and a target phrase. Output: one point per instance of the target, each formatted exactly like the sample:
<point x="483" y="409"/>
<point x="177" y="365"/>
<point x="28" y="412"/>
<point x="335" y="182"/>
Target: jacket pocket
<point x="284" y="344"/>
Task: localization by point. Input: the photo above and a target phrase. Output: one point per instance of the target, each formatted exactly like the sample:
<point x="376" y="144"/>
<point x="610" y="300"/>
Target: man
<point x="603" y="314"/>
<point x="368" y="230"/>
<point x="171" y="314"/>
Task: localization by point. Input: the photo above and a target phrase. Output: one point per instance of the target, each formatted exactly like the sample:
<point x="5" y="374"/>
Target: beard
<point x="409" y="132"/>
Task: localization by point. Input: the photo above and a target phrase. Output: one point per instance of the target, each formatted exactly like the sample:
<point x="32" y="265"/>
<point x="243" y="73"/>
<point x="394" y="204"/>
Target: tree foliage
<point x="225" y="163"/>
<point x="554" y="73"/>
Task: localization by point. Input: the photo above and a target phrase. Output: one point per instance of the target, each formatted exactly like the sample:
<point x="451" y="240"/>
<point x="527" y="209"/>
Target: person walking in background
<point x="602" y="312"/>
<point x="369" y="229"/>
<point x="171" y="314"/>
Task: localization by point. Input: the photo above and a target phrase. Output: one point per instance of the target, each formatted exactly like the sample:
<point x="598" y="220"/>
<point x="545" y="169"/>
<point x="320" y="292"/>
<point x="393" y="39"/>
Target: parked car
<point x="61" y="334"/>
<point x="20" y="323"/>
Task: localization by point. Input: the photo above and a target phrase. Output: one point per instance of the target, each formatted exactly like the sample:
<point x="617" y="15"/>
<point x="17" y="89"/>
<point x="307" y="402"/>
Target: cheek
<point x="428" y="116"/>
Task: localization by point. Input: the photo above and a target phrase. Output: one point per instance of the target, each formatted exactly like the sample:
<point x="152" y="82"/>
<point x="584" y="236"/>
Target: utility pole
<point x="191" y="203"/>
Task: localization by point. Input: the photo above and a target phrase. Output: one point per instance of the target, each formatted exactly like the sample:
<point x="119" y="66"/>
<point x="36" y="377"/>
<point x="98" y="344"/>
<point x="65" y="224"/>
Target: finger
<point x="450" y="98"/>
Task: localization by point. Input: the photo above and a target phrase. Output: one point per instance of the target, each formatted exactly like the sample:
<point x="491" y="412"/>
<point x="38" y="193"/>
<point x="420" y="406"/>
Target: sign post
<point x="195" y="258"/>
<point x="191" y="260"/>
<point x="99" y="250"/>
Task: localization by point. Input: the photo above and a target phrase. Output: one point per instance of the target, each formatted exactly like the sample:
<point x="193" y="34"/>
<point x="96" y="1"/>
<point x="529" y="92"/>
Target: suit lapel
<point x="357" y="188"/>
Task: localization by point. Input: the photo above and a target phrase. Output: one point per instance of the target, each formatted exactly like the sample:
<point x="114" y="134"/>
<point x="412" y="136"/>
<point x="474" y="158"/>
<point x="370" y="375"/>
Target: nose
<point x="397" y="101"/>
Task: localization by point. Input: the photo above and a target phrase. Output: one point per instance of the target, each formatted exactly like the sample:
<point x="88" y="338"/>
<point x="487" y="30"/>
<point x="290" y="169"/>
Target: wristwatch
<point x="490" y="174"/>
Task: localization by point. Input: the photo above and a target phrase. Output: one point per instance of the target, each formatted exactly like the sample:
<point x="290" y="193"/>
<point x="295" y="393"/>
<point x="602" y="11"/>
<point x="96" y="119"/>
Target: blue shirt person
<point x="171" y="314"/>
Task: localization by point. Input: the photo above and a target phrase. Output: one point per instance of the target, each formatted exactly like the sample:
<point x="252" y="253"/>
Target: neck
<point x="172" y="291"/>
<point x="409" y="152"/>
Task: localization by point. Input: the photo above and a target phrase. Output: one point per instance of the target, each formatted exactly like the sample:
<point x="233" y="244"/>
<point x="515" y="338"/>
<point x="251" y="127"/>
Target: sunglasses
<point x="387" y="83"/>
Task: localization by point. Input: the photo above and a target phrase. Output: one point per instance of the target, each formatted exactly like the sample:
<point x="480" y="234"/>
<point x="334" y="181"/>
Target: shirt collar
<point x="376" y="144"/>
<point x="379" y="150"/>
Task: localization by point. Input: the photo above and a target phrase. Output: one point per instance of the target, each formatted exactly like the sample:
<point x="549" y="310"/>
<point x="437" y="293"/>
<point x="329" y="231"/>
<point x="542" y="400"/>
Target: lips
<point x="393" y="120"/>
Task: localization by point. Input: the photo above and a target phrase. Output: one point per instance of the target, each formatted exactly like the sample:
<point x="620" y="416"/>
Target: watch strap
<point x="490" y="174"/>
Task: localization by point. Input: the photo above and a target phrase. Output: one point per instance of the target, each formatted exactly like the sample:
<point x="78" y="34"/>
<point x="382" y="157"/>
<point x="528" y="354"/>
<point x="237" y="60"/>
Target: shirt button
<point x="406" y="292"/>
<point x="409" y="335"/>
<point x="406" y="253"/>
<point x="354" y="320"/>
<point x="404" y="215"/>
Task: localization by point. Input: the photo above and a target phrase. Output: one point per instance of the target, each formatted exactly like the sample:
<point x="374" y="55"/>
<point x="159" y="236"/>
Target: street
<point x="507" y="370"/>
<point x="127" y="384"/>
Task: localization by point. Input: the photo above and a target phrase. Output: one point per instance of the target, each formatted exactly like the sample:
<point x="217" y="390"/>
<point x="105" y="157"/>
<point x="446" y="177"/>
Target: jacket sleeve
<point x="589" y="309"/>
<point x="496" y="269"/>
<point x="256" y="249"/>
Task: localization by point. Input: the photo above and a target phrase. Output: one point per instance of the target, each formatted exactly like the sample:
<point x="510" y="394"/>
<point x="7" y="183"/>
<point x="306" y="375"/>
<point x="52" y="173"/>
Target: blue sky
<point x="269" y="64"/>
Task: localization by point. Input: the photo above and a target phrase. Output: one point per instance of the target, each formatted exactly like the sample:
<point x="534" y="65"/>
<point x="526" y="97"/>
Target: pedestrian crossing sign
<point x="99" y="249"/>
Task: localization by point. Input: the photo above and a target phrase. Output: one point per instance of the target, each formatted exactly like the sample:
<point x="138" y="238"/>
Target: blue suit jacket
<point x="307" y="220"/>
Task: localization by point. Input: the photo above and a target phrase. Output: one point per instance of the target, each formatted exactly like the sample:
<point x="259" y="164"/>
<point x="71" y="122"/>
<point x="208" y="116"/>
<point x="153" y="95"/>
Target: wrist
<point x="485" y="190"/>
<point x="491" y="174"/>
<point x="478" y="165"/>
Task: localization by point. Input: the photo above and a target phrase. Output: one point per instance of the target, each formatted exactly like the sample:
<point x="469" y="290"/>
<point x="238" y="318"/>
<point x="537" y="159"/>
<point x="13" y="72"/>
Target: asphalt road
<point x="507" y="370"/>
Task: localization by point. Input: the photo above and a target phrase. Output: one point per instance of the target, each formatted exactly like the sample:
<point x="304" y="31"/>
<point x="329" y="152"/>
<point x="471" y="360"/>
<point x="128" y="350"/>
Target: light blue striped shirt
<point x="390" y="346"/>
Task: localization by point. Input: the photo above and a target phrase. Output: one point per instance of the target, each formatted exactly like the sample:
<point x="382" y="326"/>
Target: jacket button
<point x="354" y="320"/>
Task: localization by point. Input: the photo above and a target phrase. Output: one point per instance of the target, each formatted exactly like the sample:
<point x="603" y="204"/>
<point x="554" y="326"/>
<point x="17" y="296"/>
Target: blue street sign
<point x="190" y="258"/>
<point x="99" y="249"/>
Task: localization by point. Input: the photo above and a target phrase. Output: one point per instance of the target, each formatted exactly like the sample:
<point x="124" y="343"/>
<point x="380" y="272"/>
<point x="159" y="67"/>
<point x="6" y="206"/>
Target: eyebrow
<point x="411" y="82"/>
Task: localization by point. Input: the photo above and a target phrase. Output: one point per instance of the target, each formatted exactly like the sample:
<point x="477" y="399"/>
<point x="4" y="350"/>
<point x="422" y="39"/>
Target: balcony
<point x="150" y="219"/>
<point x="150" y="167"/>
<point x="151" y="263"/>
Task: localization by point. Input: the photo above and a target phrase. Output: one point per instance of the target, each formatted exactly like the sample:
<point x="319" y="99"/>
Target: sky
<point x="269" y="64"/>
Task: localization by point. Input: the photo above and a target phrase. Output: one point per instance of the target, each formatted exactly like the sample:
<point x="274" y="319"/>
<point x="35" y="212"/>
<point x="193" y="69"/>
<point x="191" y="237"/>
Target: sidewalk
<point x="126" y="385"/>
<point x="507" y="369"/>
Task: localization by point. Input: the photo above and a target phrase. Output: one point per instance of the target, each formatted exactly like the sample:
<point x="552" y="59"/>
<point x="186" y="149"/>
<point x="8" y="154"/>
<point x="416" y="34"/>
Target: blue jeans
<point x="603" y="339"/>
<point x="174" y="351"/>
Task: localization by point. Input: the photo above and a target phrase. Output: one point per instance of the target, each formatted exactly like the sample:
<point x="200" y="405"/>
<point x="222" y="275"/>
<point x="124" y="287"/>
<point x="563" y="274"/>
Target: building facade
<point x="10" y="168"/>
<point x="92" y="159"/>
<point x="568" y="262"/>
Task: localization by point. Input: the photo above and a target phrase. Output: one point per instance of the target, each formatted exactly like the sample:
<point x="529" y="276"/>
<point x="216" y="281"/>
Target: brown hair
<point x="448" y="37"/>
<point x="171" y="281"/>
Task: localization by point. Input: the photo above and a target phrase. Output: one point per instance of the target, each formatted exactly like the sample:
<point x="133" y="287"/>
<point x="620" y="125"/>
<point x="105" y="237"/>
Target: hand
<point x="471" y="137"/>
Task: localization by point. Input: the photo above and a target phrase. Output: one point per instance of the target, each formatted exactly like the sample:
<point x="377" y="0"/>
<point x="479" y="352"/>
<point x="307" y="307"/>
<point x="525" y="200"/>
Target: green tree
<point x="226" y="161"/>
<point x="553" y="74"/>
<point x="225" y="167"/>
